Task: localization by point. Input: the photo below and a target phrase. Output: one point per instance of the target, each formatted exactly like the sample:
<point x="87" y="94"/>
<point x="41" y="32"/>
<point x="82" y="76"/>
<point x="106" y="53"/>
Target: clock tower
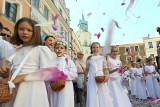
<point x="83" y="24"/>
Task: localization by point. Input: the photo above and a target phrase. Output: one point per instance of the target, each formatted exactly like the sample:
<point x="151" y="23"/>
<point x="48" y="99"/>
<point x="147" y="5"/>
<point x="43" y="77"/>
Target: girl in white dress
<point x="97" y="93"/>
<point x="29" y="93"/>
<point x="133" y="80"/>
<point x="120" y="98"/>
<point x="126" y="78"/>
<point x="65" y="97"/>
<point x="151" y="82"/>
<point x="140" y="83"/>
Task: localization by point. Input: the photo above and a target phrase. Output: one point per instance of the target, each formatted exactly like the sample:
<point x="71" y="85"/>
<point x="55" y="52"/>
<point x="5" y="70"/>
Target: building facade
<point x="11" y="11"/>
<point x="151" y="46"/>
<point x="75" y="47"/>
<point x="43" y="11"/>
<point x="131" y="52"/>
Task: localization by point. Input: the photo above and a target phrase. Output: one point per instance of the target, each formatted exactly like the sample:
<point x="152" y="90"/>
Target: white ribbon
<point x="10" y="83"/>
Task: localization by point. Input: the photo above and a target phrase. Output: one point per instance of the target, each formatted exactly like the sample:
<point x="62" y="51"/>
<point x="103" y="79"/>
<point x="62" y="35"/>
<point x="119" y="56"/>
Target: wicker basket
<point x="57" y="85"/>
<point x="5" y="95"/>
<point x="100" y="79"/>
<point x="4" y="75"/>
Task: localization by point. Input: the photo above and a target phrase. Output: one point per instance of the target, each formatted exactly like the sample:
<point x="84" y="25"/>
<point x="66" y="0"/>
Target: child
<point x="151" y="82"/>
<point x="65" y="97"/>
<point x="140" y="83"/>
<point x="97" y="93"/>
<point x="133" y="80"/>
<point x="29" y="93"/>
<point x="126" y="78"/>
<point x="120" y="98"/>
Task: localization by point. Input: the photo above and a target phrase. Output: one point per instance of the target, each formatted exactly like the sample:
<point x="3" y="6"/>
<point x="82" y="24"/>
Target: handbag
<point x="6" y="90"/>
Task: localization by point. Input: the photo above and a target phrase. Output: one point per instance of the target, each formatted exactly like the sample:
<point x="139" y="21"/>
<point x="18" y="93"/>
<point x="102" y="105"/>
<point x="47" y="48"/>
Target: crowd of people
<point x="24" y="53"/>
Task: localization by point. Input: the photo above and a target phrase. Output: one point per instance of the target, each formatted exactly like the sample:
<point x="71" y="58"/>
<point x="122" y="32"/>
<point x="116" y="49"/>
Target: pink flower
<point x="120" y="69"/>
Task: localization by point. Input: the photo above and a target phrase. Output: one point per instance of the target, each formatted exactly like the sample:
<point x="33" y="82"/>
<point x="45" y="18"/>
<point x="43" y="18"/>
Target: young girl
<point x="151" y="82"/>
<point x="126" y="78"/>
<point x="133" y="80"/>
<point x="120" y="98"/>
<point x="65" y="97"/>
<point x="29" y="93"/>
<point x="140" y="83"/>
<point x="97" y="93"/>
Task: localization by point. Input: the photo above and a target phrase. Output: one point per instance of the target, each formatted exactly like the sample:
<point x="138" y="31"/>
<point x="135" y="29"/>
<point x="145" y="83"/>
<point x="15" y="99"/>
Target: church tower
<point x="84" y="36"/>
<point x="83" y="24"/>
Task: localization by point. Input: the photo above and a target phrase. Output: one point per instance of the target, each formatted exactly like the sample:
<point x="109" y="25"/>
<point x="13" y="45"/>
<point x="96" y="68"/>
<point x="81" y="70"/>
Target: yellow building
<point x="151" y="46"/>
<point x="76" y="46"/>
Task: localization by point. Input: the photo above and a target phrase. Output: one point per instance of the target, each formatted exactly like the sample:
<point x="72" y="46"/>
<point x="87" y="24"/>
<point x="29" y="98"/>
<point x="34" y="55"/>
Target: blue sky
<point x="131" y="29"/>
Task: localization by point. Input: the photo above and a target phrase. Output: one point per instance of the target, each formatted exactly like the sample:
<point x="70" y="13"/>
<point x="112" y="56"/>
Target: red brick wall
<point x="6" y="22"/>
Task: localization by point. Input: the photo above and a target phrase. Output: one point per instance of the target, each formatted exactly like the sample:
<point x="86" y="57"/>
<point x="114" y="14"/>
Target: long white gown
<point x="65" y="97"/>
<point x="151" y="83"/>
<point x="97" y="93"/>
<point x="133" y="81"/>
<point x="141" y="92"/>
<point x="33" y="93"/>
<point x="120" y="98"/>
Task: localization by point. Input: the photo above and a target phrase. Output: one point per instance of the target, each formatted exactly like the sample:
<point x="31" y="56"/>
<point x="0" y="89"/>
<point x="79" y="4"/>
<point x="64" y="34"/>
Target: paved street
<point x="136" y="103"/>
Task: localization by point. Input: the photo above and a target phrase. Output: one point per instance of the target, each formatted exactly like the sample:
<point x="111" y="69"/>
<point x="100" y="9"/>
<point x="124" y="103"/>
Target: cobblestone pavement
<point x="135" y="103"/>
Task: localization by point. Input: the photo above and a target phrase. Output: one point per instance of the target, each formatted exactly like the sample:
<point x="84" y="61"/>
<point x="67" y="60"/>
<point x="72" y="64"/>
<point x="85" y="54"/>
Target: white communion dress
<point x="31" y="93"/>
<point x="120" y="98"/>
<point x="97" y="93"/>
<point x="65" y="97"/>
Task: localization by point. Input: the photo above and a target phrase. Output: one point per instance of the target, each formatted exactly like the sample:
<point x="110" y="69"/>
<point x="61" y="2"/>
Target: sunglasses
<point x="3" y="34"/>
<point x="114" y="51"/>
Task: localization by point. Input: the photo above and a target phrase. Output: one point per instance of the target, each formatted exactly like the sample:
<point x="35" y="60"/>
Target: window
<point x="150" y="45"/>
<point x="152" y="55"/>
<point x="136" y="48"/>
<point x="35" y="3"/>
<point x="10" y="11"/>
<point x="86" y="51"/>
<point x="85" y="43"/>
<point x="65" y="36"/>
<point x="157" y="43"/>
<point x="128" y="51"/>
<point x="60" y="11"/>
<point x="43" y="35"/>
<point x="129" y="59"/>
<point x="45" y="12"/>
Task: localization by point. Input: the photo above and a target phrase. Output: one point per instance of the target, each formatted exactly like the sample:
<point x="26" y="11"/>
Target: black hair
<point x="48" y="37"/>
<point x="158" y="30"/>
<point x="1" y="26"/>
<point x="5" y="28"/>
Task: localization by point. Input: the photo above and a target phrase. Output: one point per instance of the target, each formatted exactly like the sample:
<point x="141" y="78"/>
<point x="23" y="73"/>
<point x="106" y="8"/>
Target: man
<point x="5" y="49"/>
<point x="49" y="41"/>
<point x="5" y="34"/>
<point x="158" y="58"/>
